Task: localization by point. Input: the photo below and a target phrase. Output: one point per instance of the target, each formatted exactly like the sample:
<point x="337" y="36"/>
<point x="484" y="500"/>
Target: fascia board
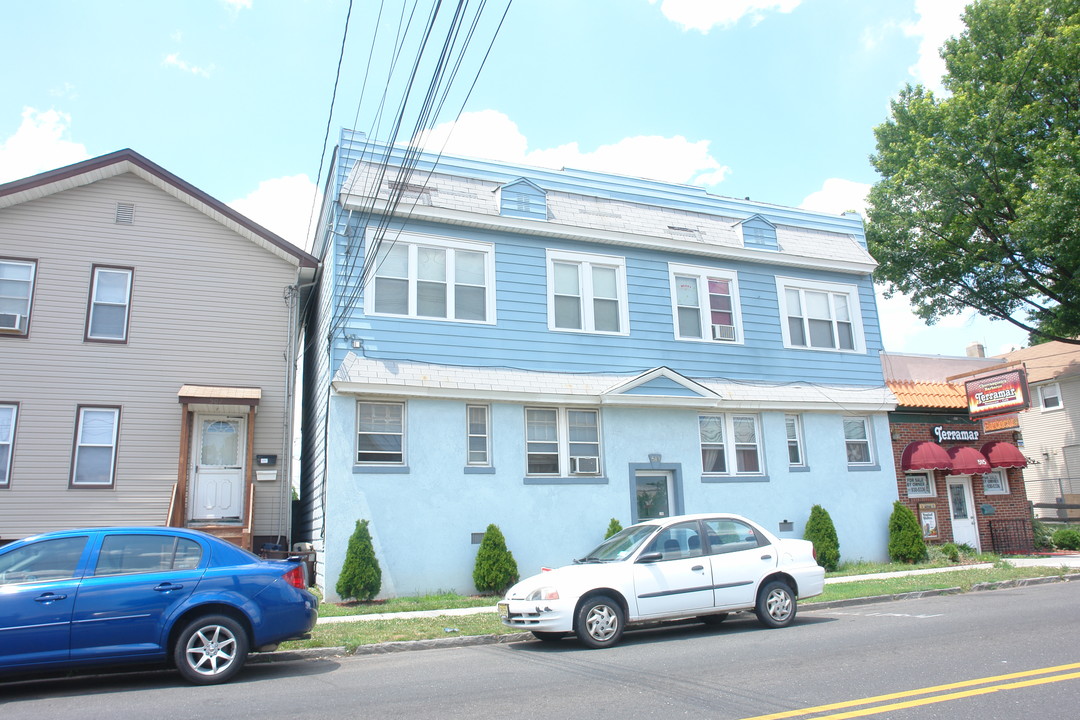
<point x="547" y="228"/>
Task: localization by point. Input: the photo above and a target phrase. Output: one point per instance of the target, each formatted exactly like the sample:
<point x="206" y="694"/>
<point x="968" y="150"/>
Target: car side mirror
<point x="650" y="557"/>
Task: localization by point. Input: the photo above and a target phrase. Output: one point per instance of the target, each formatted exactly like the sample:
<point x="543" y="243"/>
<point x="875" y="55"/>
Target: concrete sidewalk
<point x="1070" y="561"/>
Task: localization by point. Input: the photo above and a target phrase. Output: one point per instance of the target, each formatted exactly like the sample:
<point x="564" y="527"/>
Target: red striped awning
<point x="925" y="455"/>
<point x="967" y="461"/>
<point x="1003" y="455"/>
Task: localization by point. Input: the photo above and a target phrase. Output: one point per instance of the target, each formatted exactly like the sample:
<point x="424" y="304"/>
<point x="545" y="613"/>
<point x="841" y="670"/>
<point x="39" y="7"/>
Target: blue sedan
<point x="114" y="596"/>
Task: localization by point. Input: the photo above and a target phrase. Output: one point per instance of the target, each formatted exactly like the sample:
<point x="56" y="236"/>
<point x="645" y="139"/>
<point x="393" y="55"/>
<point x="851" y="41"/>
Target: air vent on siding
<point x="125" y="213"/>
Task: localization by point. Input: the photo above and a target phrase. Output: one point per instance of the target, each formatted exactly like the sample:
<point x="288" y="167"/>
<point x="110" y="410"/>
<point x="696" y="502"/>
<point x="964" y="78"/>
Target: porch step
<point x="235" y="534"/>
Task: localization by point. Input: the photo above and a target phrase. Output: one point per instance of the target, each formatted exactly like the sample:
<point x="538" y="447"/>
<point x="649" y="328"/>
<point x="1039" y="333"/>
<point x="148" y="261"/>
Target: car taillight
<point x="297" y="577"/>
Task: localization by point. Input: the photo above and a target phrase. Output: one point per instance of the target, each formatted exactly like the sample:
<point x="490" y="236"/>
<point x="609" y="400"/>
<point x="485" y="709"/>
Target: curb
<point x="471" y="640"/>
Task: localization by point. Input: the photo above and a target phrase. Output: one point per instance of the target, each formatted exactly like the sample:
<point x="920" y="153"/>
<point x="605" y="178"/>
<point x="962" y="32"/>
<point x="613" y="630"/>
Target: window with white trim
<point x="793" y="429"/>
<point x="96" y="432"/>
<point x="562" y="441"/>
<point x="110" y="304"/>
<point x="730" y="444"/>
<point x="380" y="433"/>
<point x="857" y="441"/>
<point x="433" y="278"/>
<point x="478" y="435"/>
<point x="1050" y="396"/>
<point x="919" y="484"/>
<point x="8" y="415"/>
<point x="16" y="294"/>
<point x="820" y="316"/>
<point x="587" y="292"/>
<point x="995" y="482"/>
<point x="705" y="303"/>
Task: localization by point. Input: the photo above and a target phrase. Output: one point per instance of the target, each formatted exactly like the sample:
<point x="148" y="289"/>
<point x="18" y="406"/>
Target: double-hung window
<point x="96" y="435"/>
<point x="793" y="429"/>
<point x="730" y="444"/>
<point x="110" y="303"/>
<point x="587" y="293"/>
<point x="820" y="316"/>
<point x="434" y="278"/>
<point x="8" y="413"/>
<point x="857" y="441"/>
<point x="478" y="435"/>
<point x="1050" y="396"/>
<point x="16" y="294"/>
<point x="995" y="483"/>
<point x="380" y="437"/>
<point x="562" y="441"/>
<point x="705" y="304"/>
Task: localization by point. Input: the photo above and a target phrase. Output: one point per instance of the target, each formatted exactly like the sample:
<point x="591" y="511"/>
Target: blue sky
<point x="771" y="99"/>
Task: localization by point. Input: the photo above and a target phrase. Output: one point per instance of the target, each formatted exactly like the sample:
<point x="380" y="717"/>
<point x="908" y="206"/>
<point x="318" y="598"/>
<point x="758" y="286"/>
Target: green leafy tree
<point x="495" y="569"/>
<point x="906" y="543"/>
<point x="361" y="576"/>
<point x="821" y="531"/>
<point x="978" y="205"/>
<point x="613" y="527"/>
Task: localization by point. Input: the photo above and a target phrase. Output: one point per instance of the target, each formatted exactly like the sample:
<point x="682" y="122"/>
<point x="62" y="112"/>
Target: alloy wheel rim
<point x="211" y="650"/>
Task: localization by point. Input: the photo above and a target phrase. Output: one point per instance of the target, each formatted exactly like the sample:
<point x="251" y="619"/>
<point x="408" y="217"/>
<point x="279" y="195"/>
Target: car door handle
<point x="167" y="587"/>
<point x="698" y="568"/>
<point x="49" y="597"/>
<point x="766" y="557"/>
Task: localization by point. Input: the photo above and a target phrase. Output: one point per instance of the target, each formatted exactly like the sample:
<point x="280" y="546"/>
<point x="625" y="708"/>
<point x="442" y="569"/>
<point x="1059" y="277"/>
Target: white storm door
<point x="965" y="526"/>
<point x="217" y="489"/>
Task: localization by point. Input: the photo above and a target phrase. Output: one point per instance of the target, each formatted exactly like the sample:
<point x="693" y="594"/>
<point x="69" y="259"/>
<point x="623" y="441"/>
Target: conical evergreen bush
<point x="906" y="543"/>
<point x="495" y="568"/>
<point x="361" y="576"/>
<point x="821" y="531"/>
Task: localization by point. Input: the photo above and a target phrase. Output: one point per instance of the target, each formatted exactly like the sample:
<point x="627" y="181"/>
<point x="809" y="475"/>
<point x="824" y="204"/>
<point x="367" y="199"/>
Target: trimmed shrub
<point x="1041" y="535"/>
<point x="1067" y="539"/>
<point x="821" y="531"/>
<point x="495" y="569"/>
<point x="906" y="543"/>
<point x="361" y="576"/>
<point x="950" y="552"/>
<point x="613" y="527"/>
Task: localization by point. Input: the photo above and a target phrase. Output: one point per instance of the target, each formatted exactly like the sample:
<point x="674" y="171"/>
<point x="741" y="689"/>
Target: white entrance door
<point x="965" y="526"/>
<point x="217" y="488"/>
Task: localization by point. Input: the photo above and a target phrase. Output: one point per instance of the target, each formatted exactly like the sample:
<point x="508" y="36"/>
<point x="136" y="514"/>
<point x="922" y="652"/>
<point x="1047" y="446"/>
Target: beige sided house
<point x="1051" y="426"/>
<point x="147" y="342"/>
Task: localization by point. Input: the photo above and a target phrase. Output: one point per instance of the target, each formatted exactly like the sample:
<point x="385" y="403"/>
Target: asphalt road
<point x="1007" y="654"/>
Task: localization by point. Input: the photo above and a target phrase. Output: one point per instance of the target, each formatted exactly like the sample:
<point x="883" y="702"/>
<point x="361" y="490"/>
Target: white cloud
<point x="837" y="196"/>
<point x="491" y="134"/>
<point x="284" y="206"/>
<point x="38" y="145"/>
<point x="237" y="5"/>
<point x="173" y="60"/>
<point x="938" y="21"/>
<point x="704" y="15"/>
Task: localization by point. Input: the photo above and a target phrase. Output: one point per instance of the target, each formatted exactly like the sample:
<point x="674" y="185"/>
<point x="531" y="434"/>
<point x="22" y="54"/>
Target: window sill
<point x="478" y="470"/>
<point x="734" y="478"/>
<point x="381" y="469"/>
<point x="799" y="468"/>
<point x="575" y="480"/>
<point x="864" y="468"/>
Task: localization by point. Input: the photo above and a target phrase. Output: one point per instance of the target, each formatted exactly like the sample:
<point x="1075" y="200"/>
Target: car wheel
<point x="600" y="622"/>
<point x="210" y="649"/>
<point x="713" y="619"/>
<point x="548" y="636"/>
<point x="776" y="605"/>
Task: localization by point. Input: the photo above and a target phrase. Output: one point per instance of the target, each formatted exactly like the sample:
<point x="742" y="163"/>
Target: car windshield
<point x="620" y="545"/>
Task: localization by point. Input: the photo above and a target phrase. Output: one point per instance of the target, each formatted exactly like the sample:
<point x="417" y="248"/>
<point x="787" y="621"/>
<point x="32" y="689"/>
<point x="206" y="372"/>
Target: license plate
<point x="504" y="610"/>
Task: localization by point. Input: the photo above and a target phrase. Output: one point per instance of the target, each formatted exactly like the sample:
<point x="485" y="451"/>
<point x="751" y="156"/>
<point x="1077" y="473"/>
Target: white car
<point x="702" y="566"/>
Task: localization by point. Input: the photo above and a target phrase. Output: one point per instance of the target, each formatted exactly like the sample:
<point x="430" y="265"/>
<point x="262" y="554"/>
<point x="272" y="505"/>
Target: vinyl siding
<point x="206" y="308"/>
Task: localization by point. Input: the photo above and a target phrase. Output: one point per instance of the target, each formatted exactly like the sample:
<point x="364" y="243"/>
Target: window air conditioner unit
<point x="13" y="322"/>
<point x="584" y="465"/>
<point x="723" y="332"/>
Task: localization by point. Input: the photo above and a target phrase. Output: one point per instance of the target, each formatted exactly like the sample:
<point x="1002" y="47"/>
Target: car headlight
<point x="543" y="593"/>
